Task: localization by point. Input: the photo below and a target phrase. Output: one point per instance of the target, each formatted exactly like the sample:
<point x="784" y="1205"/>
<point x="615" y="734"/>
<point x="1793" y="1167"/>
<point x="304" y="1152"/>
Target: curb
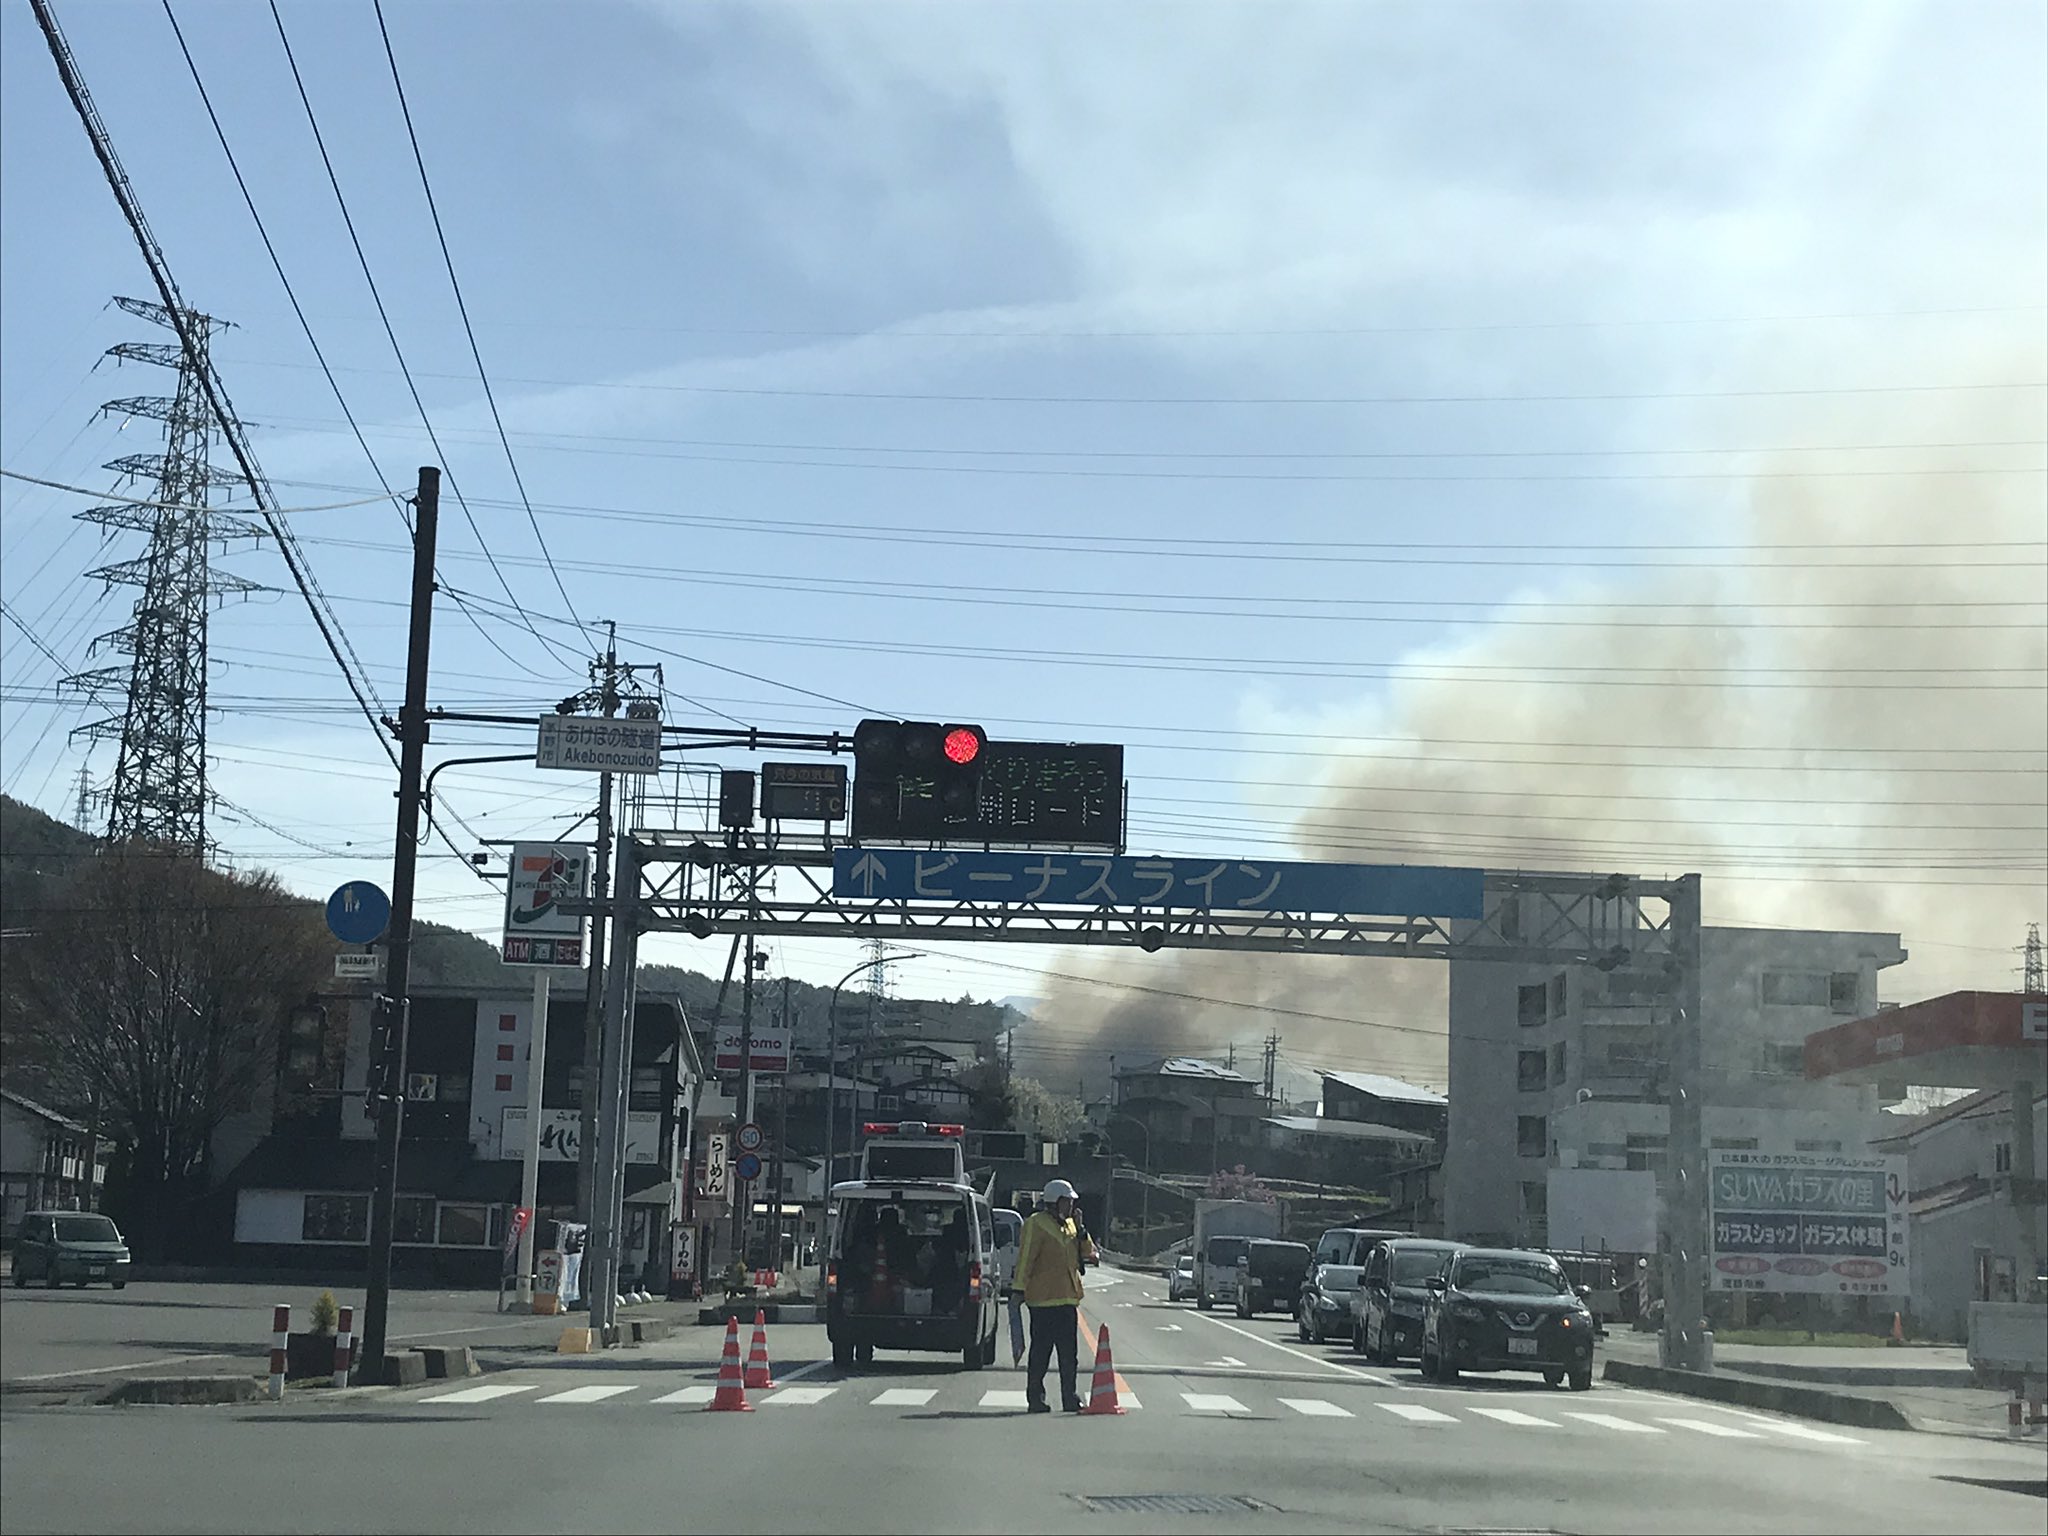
<point x="185" y="1390"/>
<point x="777" y="1312"/>
<point x="1800" y="1402"/>
<point x="1855" y="1375"/>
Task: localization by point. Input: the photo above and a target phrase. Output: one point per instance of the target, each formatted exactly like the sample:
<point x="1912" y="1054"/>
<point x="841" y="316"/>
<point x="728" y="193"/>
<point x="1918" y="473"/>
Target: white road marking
<point x="1609" y="1421"/>
<point x="797" y="1397"/>
<point x="1416" y="1414"/>
<point x="1316" y="1408"/>
<point x="482" y="1394"/>
<point x="1228" y="1362"/>
<point x="1169" y="1327"/>
<point x="585" y="1394"/>
<point x="1709" y="1427"/>
<point x="1000" y="1398"/>
<point x="1514" y="1416"/>
<point x="1302" y="1354"/>
<point x="696" y="1394"/>
<point x="1801" y="1432"/>
<point x="905" y="1397"/>
<point x="1211" y="1402"/>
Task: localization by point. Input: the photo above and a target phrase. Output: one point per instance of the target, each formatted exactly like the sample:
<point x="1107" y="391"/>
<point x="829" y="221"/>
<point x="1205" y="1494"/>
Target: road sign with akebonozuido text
<point x="1229" y="885"/>
<point x="358" y="913"/>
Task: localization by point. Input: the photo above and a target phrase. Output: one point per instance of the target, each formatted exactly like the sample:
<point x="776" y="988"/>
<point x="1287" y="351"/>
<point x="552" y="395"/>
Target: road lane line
<point x="904" y="1397"/>
<point x="482" y="1394"/>
<point x="1609" y="1421"/>
<point x="583" y="1394"/>
<point x="1709" y="1427"/>
<point x="1316" y="1408"/>
<point x="1169" y="1327"/>
<point x="1302" y="1354"/>
<point x="1415" y="1413"/>
<point x="1212" y="1402"/>
<point x="797" y="1397"/>
<point x="1000" y="1398"/>
<point x="1801" y="1432"/>
<point x="701" y="1393"/>
<point x="1514" y="1416"/>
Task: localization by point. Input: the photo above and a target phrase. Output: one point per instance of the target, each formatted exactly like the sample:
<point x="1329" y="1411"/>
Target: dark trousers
<point x="1052" y="1328"/>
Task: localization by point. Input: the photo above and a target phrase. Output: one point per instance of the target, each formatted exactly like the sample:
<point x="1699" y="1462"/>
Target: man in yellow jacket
<point x="1050" y="1257"/>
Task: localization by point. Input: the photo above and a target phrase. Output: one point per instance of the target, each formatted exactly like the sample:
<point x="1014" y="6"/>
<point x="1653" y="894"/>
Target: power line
<point x="469" y="331"/>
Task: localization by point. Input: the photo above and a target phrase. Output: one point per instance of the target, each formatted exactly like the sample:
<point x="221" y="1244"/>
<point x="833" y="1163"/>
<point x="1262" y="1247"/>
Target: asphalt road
<point x="1218" y="1409"/>
<point x="54" y="1338"/>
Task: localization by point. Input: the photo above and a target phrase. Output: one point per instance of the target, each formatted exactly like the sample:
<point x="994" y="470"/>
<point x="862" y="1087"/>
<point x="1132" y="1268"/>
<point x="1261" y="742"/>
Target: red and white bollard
<point x="280" y="1333"/>
<point x="344" y="1342"/>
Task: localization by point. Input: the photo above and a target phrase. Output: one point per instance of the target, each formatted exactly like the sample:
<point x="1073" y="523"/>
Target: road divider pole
<point x="344" y="1340"/>
<point x="280" y="1338"/>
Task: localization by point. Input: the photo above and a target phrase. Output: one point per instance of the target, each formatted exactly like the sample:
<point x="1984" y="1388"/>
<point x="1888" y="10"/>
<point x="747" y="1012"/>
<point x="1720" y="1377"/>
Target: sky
<point x="1562" y="436"/>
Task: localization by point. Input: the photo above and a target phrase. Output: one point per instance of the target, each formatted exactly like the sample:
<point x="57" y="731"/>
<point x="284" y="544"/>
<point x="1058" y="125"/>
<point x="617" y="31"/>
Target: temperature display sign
<point x="1797" y="1222"/>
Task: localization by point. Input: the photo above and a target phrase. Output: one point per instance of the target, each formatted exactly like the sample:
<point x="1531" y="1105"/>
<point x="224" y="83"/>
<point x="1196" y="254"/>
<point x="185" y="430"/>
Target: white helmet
<point x="1057" y="1190"/>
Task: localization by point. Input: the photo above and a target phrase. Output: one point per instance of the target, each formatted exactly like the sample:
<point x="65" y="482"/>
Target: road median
<point x="1860" y="1411"/>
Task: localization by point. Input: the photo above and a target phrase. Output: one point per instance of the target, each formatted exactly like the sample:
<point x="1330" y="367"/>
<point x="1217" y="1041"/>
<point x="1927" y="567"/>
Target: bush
<point x="326" y="1313"/>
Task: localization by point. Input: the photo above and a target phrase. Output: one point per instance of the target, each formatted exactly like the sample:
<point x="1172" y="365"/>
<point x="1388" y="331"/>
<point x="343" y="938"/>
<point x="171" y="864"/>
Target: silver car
<point x="1181" y="1285"/>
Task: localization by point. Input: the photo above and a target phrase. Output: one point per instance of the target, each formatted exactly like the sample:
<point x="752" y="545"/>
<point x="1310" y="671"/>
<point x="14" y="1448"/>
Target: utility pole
<point x="742" y="1207"/>
<point x="1272" y="1054"/>
<point x="779" y="1162"/>
<point x="601" y="1255"/>
<point x="1685" y="1208"/>
<point x="606" y="680"/>
<point x="391" y="1008"/>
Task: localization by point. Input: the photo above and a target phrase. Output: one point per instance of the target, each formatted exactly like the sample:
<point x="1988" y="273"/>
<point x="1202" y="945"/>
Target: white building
<point x="1555" y="1070"/>
<point x="1966" y="1240"/>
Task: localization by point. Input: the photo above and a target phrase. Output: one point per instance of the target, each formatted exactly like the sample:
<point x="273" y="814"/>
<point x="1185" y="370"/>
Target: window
<point x="1535" y="1200"/>
<point x="1557" y="1062"/>
<point x="1532" y="1135"/>
<point x="465" y="1226"/>
<point x="1733" y="1144"/>
<point x="1530" y="1011"/>
<point x="1785" y="1060"/>
<point x="2001" y="1158"/>
<point x="1842" y="990"/>
<point x="335" y="1219"/>
<point x="1795" y="989"/>
<point x="412" y="1219"/>
<point x="1646" y="1152"/>
<point x="1528" y="1070"/>
<point x="1557" y="996"/>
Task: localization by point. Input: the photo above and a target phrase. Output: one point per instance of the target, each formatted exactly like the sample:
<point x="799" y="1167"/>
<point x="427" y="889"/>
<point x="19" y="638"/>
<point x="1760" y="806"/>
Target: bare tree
<point x="155" y="988"/>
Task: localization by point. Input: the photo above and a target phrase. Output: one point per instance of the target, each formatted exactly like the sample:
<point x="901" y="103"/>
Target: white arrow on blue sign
<point x="1202" y="885"/>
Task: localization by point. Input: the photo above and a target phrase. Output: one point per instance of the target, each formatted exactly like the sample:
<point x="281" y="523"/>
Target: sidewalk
<point x="1924" y="1387"/>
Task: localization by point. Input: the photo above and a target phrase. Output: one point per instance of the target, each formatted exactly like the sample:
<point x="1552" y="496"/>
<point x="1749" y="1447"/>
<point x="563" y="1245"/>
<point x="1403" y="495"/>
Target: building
<point x="1189" y="1113"/>
<point x="1965" y="1239"/>
<point x="1376" y="1100"/>
<point x="1559" y="1071"/>
<point x="301" y="1195"/>
<point x="48" y="1162"/>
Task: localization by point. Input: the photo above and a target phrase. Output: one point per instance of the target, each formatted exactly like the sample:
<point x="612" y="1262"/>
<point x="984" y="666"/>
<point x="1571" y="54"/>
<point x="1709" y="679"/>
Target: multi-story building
<point x="1563" y="1070"/>
<point x="48" y="1162"/>
<point x="1192" y="1112"/>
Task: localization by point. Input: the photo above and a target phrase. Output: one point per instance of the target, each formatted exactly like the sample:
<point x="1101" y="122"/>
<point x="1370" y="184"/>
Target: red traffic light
<point x="963" y="745"/>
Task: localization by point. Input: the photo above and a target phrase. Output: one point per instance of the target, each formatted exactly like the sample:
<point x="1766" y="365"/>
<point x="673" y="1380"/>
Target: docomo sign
<point x="770" y="1051"/>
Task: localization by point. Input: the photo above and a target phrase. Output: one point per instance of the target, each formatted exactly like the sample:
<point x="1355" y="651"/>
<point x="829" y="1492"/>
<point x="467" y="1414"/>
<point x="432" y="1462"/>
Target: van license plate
<point x="1521" y="1346"/>
<point x="99" y="1271"/>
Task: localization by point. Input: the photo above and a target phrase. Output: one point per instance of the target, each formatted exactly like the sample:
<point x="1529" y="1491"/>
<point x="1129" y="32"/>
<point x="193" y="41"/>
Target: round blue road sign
<point x="358" y="913"/>
<point x="748" y="1166"/>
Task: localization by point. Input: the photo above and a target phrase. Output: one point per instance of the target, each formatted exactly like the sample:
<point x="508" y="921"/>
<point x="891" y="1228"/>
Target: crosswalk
<point x="1243" y="1401"/>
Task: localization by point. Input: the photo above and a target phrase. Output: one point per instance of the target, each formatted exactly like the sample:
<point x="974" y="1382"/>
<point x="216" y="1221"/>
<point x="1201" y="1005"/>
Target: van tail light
<point x="832" y="1278"/>
<point x="974" y="1281"/>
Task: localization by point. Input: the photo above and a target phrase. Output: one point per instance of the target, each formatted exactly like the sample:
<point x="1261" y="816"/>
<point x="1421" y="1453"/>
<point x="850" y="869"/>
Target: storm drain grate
<point x="1174" y="1504"/>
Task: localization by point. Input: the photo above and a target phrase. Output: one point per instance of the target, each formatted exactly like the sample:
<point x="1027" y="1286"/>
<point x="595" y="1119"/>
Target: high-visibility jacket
<point x="1049" y="1261"/>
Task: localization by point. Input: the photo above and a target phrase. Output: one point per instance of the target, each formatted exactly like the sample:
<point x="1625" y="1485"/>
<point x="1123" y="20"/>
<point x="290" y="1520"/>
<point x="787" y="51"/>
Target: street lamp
<point x="1145" y="1184"/>
<point x="832" y="1091"/>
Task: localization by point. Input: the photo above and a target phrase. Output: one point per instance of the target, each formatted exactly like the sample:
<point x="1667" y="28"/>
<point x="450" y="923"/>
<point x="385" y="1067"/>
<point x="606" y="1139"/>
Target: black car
<point x="1270" y="1275"/>
<point x="1504" y="1309"/>
<point x="1392" y="1294"/>
<point x="79" y="1246"/>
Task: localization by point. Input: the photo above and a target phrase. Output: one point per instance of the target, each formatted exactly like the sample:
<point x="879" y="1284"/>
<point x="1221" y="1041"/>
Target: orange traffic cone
<point x="1898" y="1329"/>
<point x="1102" y="1391"/>
<point x="758" y="1377"/>
<point x="731" y="1396"/>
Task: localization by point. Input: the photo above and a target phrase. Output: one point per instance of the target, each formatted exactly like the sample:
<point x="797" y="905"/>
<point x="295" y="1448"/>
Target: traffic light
<point x="916" y="778"/>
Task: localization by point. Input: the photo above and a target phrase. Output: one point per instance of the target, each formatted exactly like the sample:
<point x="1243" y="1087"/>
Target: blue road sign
<point x="358" y="913"/>
<point x="1226" y="885"/>
<point x="747" y="1166"/>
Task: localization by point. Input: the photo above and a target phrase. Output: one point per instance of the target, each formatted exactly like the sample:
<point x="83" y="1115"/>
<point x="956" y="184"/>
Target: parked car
<point x="1506" y="1309"/>
<point x="1180" y="1286"/>
<point x="1393" y="1290"/>
<point x="1324" y="1309"/>
<point x="78" y="1246"/>
<point x="1350" y="1245"/>
<point x="1269" y="1276"/>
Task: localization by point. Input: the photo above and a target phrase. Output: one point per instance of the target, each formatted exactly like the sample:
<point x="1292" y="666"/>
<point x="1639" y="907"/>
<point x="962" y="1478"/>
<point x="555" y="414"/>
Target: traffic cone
<point x="731" y="1396"/>
<point x="1898" y="1329"/>
<point x="758" y="1377"/>
<point x="1102" y="1391"/>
